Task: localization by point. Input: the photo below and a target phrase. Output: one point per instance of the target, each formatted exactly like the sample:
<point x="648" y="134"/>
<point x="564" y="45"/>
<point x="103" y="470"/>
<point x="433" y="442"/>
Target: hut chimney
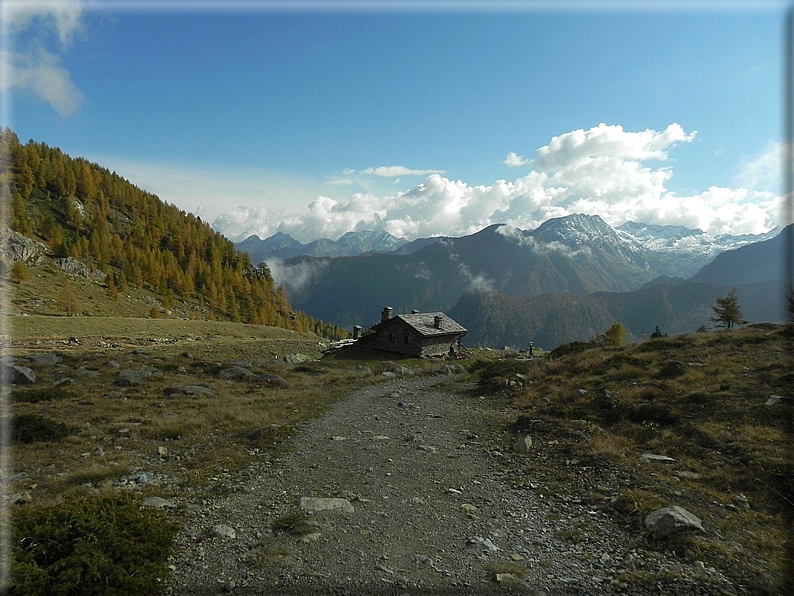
<point x="437" y="321"/>
<point x="386" y="314"/>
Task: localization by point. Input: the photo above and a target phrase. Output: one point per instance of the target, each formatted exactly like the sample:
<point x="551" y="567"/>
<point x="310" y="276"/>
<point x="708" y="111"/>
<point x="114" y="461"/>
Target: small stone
<point x="224" y="531"/>
<point x="654" y="458"/>
<point x="158" y="503"/>
<point x="162" y="451"/>
<point x="325" y="504"/>
<point x="523" y="445"/>
<point x="468" y="508"/>
<point x="773" y="399"/>
<point x="313" y="537"/>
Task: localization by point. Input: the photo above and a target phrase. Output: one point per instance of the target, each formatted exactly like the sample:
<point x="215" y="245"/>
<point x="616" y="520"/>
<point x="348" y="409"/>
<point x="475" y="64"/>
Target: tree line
<point x="82" y="210"/>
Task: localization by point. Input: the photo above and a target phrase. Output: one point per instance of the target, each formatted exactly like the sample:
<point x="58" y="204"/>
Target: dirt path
<point x="430" y="473"/>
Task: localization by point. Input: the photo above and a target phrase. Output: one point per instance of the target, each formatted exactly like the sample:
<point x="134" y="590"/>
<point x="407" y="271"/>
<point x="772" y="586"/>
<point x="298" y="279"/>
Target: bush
<point x="106" y="546"/>
<point x="575" y="347"/>
<point x="33" y="396"/>
<point x="492" y="373"/>
<point x="32" y="428"/>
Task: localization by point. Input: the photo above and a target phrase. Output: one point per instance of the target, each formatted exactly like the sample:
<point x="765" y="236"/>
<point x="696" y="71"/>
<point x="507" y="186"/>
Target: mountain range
<point x="577" y="273"/>
<point x="670" y="250"/>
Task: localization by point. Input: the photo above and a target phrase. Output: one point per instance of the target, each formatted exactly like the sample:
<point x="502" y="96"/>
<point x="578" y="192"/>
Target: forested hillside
<point x="81" y="210"/>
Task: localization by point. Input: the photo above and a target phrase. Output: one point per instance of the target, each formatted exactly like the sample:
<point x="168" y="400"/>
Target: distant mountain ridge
<point x="570" y="260"/>
<point x="674" y="251"/>
<point x="283" y="246"/>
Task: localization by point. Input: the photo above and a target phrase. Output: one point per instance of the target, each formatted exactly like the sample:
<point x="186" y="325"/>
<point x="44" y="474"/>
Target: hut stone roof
<point x="424" y="323"/>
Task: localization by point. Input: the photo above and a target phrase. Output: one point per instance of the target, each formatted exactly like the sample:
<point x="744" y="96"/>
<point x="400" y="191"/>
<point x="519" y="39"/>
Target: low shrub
<point x="575" y="347"/>
<point x="33" y="396"/>
<point x="32" y="428"/>
<point x="86" y="547"/>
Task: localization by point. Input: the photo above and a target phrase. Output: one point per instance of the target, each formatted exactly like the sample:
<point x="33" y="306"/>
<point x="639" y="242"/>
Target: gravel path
<point x="429" y="471"/>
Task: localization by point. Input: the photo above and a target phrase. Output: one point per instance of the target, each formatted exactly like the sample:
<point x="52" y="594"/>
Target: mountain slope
<point x="748" y="264"/>
<point x="549" y="320"/>
<point x="353" y="290"/>
<point x="83" y="218"/>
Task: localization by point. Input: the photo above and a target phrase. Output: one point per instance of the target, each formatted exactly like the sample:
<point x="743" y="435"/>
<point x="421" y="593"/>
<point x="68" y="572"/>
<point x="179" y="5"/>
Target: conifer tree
<point x="727" y="312"/>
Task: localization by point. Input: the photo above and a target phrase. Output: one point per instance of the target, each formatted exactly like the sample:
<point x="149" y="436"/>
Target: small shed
<point x="416" y="334"/>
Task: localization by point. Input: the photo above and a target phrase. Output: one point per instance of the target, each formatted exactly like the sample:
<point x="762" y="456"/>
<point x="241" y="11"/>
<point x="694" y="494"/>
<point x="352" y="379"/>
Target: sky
<point x="315" y="118"/>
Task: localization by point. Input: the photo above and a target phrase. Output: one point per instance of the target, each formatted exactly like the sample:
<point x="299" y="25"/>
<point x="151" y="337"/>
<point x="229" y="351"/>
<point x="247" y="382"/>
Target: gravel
<point x="441" y="504"/>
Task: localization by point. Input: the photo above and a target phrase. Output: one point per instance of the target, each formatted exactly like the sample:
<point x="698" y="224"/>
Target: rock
<point x="158" y="503"/>
<point x="239" y="363"/>
<point x="315" y="504"/>
<point x="20" y="498"/>
<point x="14" y="374"/>
<point x="63" y="381"/>
<point x="773" y="399"/>
<point x="133" y="378"/>
<point x="672" y="520"/>
<point x="45" y="359"/>
<point x="273" y="381"/>
<point x="689" y="475"/>
<point x="198" y="390"/>
<point x="479" y="544"/>
<point x="235" y="373"/>
<point x="312" y="537"/>
<point x="657" y="459"/>
<point x="162" y="451"/>
<point x="523" y="445"/>
<point x="741" y="501"/>
<point x="71" y="265"/>
<point x="16" y="247"/>
<point x="451" y="370"/>
<point x="506" y="578"/>
<point x="296" y="358"/>
<point x="224" y="531"/>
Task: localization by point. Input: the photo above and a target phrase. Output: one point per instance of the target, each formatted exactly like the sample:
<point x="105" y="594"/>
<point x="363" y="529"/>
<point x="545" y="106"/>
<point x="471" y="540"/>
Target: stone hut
<point x="416" y="334"/>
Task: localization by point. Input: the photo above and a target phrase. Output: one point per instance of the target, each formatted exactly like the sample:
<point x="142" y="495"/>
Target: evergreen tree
<point x="615" y="335"/>
<point x="727" y="312"/>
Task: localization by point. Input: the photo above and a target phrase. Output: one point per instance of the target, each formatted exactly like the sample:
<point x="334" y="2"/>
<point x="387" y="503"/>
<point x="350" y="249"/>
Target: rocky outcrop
<point x="16" y="247"/>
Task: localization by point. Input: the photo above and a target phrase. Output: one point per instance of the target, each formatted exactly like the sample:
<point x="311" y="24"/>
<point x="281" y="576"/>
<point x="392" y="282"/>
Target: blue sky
<point x="415" y="118"/>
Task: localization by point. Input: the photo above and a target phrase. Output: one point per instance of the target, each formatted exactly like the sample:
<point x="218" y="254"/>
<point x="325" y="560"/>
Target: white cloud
<point x="514" y="160"/>
<point x="43" y="76"/>
<point x="763" y="171"/>
<point x="606" y="170"/>
<point x="64" y="15"/>
<point x="34" y="68"/>
<point x="392" y="171"/>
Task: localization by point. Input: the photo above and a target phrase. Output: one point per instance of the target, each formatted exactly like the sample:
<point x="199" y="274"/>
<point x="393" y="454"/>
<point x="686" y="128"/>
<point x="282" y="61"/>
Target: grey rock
<point x="325" y="504"/>
<point x="657" y="459"/>
<point x="672" y="520"/>
<point x="235" y="373"/>
<point x="158" y="503"/>
<point x="63" y="381"/>
<point x="198" y="390"/>
<point x="773" y="399"/>
<point x="523" y="445"/>
<point x="479" y="544"/>
<point x="224" y="531"/>
<point x="239" y="363"/>
<point x="133" y="378"/>
<point x="14" y="374"/>
<point x="45" y="359"/>
<point x="273" y="381"/>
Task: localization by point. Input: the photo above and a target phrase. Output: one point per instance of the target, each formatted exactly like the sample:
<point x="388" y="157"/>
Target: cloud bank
<point x="608" y="171"/>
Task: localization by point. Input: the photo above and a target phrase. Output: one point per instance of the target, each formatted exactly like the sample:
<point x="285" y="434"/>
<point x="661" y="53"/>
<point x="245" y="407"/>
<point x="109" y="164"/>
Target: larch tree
<point x="727" y="312"/>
